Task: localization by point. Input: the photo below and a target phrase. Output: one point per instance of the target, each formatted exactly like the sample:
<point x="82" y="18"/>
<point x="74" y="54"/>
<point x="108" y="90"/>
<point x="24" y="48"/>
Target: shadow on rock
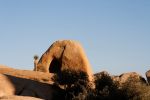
<point x="27" y="87"/>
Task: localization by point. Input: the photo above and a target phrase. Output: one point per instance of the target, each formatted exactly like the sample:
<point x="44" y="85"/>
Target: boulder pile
<point x="65" y="62"/>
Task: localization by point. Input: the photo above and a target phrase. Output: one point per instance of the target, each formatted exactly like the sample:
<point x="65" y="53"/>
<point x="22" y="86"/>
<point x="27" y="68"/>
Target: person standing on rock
<point x="35" y="62"/>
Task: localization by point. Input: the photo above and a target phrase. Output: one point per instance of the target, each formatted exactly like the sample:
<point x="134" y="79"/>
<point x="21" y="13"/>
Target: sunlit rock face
<point x="27" y="83"/>
<point x="6" y="86"/>
<point x="11" y="86"/>
<point x="65" y="55"/>
<point x="14" y="97"/>
<point x="27" y="74"/>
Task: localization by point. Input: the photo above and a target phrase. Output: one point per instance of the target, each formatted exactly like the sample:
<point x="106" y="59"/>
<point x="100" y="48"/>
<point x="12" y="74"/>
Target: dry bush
<point x="106" y="89"/>
<point x="76" y="84"/>
<point x="135" y="90"/>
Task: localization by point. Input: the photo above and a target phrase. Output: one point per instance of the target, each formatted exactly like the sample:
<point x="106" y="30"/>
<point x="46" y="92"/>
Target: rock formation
<point x="65" y="59"/>
<point x="129" y="76"/>
<point x="6" y="87"/>
<point x="19" y="98"/>
<point x="65" y="55"/>
<point x="27" y="83"/>
<point x="32" y="75"/>
<point x="3" y="66"/>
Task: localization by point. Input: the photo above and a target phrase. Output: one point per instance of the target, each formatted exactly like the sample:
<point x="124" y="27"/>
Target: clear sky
<point x="114" y="33"/>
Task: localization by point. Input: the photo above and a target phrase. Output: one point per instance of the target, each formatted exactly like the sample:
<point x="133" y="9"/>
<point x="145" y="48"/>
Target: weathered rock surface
<point x="19" y="98"/>
<point x="32" y="75"/>
<point x="28" y="83"/>
<point x="126" y="76"/>
<point x="3" y="66"/>
<point x="123" y="78"/>
<point x="6" y="87"/>
<point x="11" y="85"/>
<point x="64" y="55"/>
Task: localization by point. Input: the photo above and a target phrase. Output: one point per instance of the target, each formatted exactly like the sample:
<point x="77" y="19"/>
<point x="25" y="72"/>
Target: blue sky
<point x="114" y="33"/>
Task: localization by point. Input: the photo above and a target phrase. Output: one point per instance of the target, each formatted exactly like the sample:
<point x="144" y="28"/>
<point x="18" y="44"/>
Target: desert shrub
<point x="77" y="87"/>
<point x="132" y="89"/>
<point x="68" y="77"/>
<point x="76" y="84"/>
<point x="135" y="90"/>
<point x="106" y="88"/>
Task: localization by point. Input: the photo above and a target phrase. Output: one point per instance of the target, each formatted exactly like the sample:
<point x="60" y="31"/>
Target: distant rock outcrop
<point x="123" y="78"/>
<point x="131" y="76"/>
<point x="65" y="55"/>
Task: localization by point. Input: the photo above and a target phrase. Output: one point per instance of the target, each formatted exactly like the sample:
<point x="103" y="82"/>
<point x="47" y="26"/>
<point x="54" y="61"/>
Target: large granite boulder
<point x="27" y="74"/>
<point x="11" y="85"/>
<point x="27" y="83"/>
<point x="65" y="55"/>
